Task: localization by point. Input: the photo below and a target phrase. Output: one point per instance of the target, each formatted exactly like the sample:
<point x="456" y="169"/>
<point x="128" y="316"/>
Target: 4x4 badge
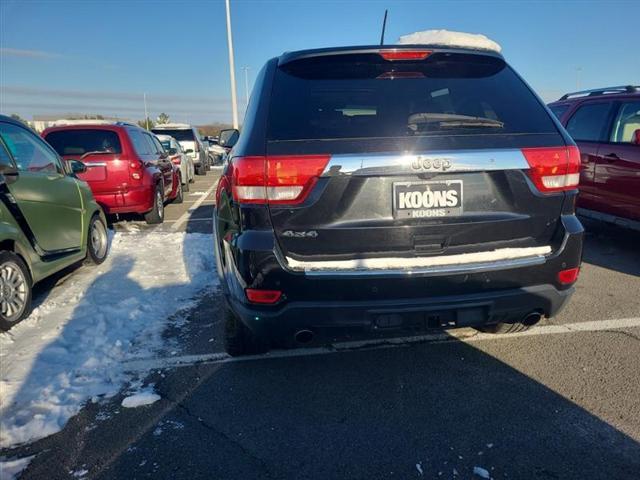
<point x="430" y="163"/>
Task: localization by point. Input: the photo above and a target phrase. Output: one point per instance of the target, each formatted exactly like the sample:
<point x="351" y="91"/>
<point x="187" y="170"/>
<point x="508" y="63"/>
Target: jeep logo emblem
<point x="430" y="163"/>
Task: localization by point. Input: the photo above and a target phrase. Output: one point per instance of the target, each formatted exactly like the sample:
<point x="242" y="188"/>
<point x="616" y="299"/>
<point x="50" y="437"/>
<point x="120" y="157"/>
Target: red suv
<point x="605" y="124"/>
<point x="127" y="167"/>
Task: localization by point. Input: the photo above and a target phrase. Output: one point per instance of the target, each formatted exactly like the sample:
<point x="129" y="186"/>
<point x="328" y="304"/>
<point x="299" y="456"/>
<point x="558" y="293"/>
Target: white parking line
<point x="185" y="216"/>
<point x="461" y="335"/>
<point x="208" y="219"/>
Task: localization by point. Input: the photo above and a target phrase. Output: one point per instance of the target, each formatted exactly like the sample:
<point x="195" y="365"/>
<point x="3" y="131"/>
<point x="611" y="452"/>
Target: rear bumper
<point x="133" y="200"/>
<point x="374" y="301"/>
<point x="378" y="315"/>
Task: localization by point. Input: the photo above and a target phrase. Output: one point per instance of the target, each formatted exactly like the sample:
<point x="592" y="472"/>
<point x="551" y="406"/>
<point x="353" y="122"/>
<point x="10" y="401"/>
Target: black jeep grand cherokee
<point x="391" y="189"/>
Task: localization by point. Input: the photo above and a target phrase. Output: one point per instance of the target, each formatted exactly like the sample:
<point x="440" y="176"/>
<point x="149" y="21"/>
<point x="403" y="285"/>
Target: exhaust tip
<point x="532" y="318"/>
<point x="304" y="336"/>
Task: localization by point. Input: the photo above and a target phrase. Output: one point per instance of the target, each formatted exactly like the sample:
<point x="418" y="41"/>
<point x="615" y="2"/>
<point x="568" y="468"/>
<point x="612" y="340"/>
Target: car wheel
<point x="97" y="241"/>
<point x="156" y="215"/>
<point x="238" y="339"/>
<point x="179" y="195"/>
<point x="499" y="328"/>
<point x="15" y="290"/>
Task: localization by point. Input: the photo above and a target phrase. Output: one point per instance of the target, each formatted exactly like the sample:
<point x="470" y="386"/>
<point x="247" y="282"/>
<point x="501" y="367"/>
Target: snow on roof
<point x="450" y="39"/>
<point x="172" y="125"/>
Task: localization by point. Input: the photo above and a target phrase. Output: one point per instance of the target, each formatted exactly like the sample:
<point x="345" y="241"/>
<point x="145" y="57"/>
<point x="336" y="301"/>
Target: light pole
<point x="232" y="74"/>
<point x="246" y="84"/>
<point x="146" y="113"/>
<point x="578" y="71"/>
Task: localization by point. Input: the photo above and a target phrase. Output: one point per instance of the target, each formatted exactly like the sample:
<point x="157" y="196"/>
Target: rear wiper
<point x="452" y="120"/>
<point x="473" y="123"/>
<point x="97" y="152"/>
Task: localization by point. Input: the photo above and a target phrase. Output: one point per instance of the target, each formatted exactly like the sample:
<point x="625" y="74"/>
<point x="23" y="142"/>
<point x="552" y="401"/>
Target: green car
<point x="49" y="219"/>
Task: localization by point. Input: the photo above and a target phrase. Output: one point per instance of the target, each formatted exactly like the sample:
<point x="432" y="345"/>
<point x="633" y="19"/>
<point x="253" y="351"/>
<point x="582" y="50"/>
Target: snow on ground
<point x="10" y="469"/>
<point x="74" y="345"/>
<point x="481" y="472"/>
<point x="450" y="39"/>
<point x="141" y="398"/>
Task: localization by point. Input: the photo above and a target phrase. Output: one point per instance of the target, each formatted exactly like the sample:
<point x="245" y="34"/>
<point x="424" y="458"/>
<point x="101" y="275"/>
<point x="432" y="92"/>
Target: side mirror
<point x="172" y="151"/>
<point x="76" y="166"/>
<point x="189" y="150"/>
<point x="635" y="139"/>
<point x="228" y="138"/>
<point x="8" y="171"/>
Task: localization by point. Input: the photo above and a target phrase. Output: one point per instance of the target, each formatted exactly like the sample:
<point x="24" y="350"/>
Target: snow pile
<point x="394" y="263"/>
<point x="10" y="469"/>
<point x="139" y="399"/>
<point x="75" y="344"/>
<point x="481" y="472"/>
<point x="448" y="38"/>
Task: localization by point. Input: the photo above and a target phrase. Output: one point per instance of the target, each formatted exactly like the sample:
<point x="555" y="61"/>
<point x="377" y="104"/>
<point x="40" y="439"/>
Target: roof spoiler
<point x="288" y="57"/>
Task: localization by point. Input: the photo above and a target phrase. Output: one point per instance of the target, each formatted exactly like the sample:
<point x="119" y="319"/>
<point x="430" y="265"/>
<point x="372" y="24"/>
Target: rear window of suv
<point x="81" y="142"/>
<point x="364" y="96"/>
<point x="181" y="135"/>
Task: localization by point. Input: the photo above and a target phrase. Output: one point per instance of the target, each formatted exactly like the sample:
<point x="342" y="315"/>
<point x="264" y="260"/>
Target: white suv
<point x="190" y="141"/>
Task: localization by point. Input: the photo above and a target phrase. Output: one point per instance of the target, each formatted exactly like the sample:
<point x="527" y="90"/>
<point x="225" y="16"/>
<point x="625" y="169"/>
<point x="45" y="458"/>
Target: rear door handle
<point x="612" y="157"/>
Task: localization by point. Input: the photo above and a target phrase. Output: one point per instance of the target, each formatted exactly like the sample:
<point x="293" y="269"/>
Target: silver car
<point x="179" y="157"/>
<point x="190" y="141"/>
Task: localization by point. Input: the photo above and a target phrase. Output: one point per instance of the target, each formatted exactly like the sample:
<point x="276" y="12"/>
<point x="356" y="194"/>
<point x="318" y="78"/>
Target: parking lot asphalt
<point x="559" y="402"/>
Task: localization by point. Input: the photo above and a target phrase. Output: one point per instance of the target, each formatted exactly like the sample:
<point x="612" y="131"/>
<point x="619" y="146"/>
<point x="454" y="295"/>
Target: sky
<point x="87" y="56"/>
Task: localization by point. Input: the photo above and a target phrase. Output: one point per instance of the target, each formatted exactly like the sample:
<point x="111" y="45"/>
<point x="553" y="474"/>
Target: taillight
<point x="263" y="296"/>
<point x="568" y="276"/>
<point x="402" y="54"/>
<point x="554" y="169"/>
<point x="283" y="179"/>
<point x="176" y="160"/>
<point x="135" y="168"/>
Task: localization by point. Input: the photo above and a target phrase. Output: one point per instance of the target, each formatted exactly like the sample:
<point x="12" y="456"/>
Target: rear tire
<point x="156" y="215"/>
<point x="15" y="290"/>
<point x="97" y="241"/>
<point x="501" y="328"/>
<point x="238" y="339"/>
<point x="179" y="195"/>
<point x="200" y="170"/>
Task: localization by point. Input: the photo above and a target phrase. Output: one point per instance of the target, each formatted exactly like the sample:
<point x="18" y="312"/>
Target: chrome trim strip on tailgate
<point x="441" y="265"/>
<point x="432" y="162"/>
